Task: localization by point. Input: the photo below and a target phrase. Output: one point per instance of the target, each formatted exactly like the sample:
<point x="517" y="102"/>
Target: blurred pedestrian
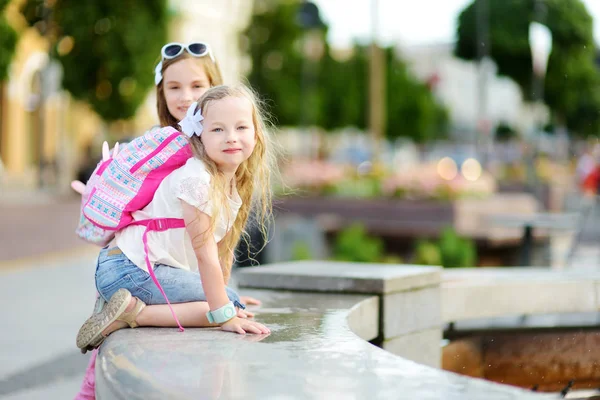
<point x="585" y="166"/>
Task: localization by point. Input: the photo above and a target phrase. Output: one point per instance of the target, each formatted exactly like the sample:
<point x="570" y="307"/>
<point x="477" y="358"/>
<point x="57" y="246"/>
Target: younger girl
<point x="213" y="193"/>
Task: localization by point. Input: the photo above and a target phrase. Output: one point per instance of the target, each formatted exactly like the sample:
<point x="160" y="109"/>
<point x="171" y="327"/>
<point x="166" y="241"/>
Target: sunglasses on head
<point x="173" y="50"/>
<point x="196" y="49"/>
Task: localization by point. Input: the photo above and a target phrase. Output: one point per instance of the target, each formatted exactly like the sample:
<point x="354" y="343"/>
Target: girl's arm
<point x="197" y="225"/>
<point x="228" y="258"/>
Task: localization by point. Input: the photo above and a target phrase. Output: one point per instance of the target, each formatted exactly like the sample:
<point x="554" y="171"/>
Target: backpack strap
<point x="159" y="225"/>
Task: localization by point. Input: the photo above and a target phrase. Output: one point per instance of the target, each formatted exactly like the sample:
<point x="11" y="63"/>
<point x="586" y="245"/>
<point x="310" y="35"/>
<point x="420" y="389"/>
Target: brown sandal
<point x="90" y="334"/>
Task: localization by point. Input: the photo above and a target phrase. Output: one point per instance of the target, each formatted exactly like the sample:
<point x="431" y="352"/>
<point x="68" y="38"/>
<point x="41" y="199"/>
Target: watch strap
<point x="222" y="314"/>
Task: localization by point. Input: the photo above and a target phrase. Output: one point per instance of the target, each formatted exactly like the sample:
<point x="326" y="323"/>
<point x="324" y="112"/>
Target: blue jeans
<point x="114" y="271"/>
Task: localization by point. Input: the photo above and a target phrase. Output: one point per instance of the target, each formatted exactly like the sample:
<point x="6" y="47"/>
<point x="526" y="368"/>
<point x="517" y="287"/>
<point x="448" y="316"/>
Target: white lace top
<point x="173" y="247"/>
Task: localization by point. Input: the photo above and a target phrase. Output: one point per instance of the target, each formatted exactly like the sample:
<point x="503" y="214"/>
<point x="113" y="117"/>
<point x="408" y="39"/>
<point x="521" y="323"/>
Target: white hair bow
<point x="191" y="125"/>
<point x="158" y="73"/>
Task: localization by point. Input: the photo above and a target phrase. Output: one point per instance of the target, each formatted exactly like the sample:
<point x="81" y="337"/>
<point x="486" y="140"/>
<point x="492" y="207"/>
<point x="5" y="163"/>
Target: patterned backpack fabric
<point x="126" y="183"/>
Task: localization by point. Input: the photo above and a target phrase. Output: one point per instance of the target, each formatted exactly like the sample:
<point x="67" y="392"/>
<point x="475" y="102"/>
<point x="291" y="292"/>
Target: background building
<point x="457" y="83"/>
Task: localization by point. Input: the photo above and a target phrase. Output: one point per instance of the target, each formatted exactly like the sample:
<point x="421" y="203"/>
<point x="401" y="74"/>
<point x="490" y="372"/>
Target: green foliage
<point x="358" y="187"/>
<point x="301" y="251"/>
<point x="328" y="91"/>
<point x="427" y="253"/>
<point x="115" y="48"/>
<point x="391" y="259"/>
<point x="274" y="42"/>
<point x="456" y="252"/>
<point x="572" y="81"/>
<point x="355" y="245"/>
<point x="8" y="42"/>
<point x="345" y="87"/>
<point x="573" y="89"/>
<point x="508" y="32"/>
<point x="412" y="109"/>
<point x="450" y="251"/>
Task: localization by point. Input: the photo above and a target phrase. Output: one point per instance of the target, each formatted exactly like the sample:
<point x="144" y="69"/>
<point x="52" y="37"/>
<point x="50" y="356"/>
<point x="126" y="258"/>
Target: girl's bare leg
<point x="191" y="315"/>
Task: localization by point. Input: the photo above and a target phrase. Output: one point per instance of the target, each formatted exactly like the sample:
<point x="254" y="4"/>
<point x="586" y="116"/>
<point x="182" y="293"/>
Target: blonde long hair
<point x="213" y="72"/>
<point x="253" y="177"/>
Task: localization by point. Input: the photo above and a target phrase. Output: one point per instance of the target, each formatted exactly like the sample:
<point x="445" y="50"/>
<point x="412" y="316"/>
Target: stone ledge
<point x="412" y="311"/>
<point x="339" y="277"/>
<point x="310" y="354"/>
<point x="409" y="295"/>
<point x="363" y="319"/>
<point x="416" y="346"/>
<point x="495" y="292"/>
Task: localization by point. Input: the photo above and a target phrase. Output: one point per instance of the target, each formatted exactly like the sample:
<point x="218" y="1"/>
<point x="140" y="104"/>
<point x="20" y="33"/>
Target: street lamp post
<point x="483" y="141"/>
<point x="377" y="102"/>
<point x="540" y="41"/>
<point x="309" y="19"/>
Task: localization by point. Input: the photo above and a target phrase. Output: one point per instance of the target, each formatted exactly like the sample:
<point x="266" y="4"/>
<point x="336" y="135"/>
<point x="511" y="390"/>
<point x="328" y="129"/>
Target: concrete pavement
<point x="45" y="302"/>
<point x="34" y="224"/>
<point x="47" y="288"/>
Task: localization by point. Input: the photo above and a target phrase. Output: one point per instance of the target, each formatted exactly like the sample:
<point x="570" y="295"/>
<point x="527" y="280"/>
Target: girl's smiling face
<point x="184" y="82"/>
<point x="228" y="133"/>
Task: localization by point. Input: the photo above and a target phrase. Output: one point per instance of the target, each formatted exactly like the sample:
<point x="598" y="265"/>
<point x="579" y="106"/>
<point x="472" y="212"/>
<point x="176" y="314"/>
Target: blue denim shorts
<point x="114" y="271"/>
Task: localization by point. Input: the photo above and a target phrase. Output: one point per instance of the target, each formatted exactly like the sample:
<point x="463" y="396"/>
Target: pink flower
<point x="313" y="174"/>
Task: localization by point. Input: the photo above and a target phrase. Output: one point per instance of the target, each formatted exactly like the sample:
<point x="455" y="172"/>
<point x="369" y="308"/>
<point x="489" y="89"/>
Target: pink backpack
<point x="127" y="183"/>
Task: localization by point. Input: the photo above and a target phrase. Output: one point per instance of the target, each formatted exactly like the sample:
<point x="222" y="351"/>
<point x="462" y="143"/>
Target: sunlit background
<point x="457" y="133"/>
<point x="389" y="82"/>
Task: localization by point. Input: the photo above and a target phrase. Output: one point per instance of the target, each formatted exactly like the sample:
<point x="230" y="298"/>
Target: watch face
<point x="229" y="312"/>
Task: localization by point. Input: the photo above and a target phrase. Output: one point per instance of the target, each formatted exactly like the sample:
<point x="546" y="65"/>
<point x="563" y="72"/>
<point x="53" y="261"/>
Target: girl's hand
<point x="243" y="326"/>
<point x="78" y="186"/>
<point x="251" y="301"/>
<point x="244" y="313"/>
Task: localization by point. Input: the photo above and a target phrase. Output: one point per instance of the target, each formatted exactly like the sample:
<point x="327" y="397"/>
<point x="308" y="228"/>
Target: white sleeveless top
<point x="173" y="247"/>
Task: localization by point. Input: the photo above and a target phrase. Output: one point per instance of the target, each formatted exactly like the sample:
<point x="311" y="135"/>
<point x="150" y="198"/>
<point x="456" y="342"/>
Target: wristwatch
<point x="222" y="314"/>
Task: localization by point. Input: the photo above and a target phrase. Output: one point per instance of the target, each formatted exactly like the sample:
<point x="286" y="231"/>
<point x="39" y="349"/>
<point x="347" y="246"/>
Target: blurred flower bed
<point x="423" y="182"/>
<point x="547" y="171"/>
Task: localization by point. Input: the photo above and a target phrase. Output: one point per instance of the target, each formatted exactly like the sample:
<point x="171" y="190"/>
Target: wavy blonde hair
<point x="253" y="177"/>
<point x="213" y="72"/>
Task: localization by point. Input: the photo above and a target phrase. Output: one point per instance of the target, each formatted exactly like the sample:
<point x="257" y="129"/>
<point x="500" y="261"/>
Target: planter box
<point x="386" y="217"/>
<point x="314" y="220"/>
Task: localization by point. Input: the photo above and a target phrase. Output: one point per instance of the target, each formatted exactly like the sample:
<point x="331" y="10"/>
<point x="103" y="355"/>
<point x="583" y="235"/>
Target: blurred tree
<point x="8" y="42"/>
<point x="412" y="110"/>
<point x="344" y="84"/>
<point x="274" y="42"/>
<point x="108" y="49"/>
<point x="573" y="90"/>
<point x="572" y="81"/>
<point x="339" y="97"/>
